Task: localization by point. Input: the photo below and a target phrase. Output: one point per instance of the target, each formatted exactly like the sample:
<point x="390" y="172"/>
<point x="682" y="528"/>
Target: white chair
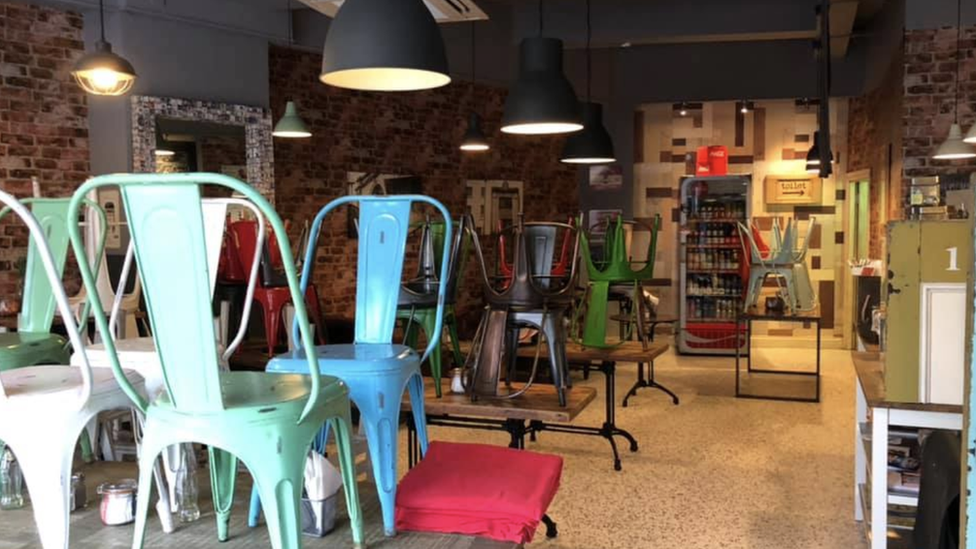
<point x="43" y="409"/>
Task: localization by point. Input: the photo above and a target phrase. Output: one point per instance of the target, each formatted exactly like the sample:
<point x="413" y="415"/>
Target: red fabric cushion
<point x="478" y="490"/>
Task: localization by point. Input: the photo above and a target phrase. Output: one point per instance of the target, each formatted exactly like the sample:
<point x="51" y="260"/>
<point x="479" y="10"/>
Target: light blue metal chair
<point x="376" y="371"/>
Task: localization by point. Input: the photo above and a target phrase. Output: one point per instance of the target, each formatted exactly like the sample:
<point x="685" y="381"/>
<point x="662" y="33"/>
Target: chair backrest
<point x="801" y="253"/>
<point x="384" y="222"/>
<point x="748" y="238"/>
<point x="785" y="249"/>
<point x="457" y="252"/>
<point x="45" y="267"/>
<point x="760" y="243"/>
<point x="166" y="223"/>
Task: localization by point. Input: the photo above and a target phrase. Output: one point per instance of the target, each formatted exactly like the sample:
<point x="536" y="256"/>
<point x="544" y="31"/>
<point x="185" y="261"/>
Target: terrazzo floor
<point x="712" y="472"/>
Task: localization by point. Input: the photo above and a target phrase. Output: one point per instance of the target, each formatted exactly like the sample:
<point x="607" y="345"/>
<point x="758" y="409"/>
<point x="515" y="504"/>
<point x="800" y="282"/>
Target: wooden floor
<point x="17" y="530"/>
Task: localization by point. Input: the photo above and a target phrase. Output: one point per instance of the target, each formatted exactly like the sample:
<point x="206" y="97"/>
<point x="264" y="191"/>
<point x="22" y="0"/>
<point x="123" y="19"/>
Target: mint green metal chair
<point x="33" y="342"/>
<point x="268" y="421"/>
<point x="615" y="274"/>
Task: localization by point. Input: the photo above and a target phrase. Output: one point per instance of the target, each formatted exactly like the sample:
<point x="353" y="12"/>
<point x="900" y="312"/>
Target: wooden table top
<point x="869" y="373"/>
<point x="540" y="403"/>
<point x="628" y="351"/>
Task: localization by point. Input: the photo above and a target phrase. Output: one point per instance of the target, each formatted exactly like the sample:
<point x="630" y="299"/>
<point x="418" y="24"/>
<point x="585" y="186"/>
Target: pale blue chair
<point x="376" y="371"/>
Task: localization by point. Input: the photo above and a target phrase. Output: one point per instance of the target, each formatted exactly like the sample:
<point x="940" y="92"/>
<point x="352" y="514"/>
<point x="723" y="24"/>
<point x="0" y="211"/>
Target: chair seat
<point x="137" y="353"/>
<point x="479" y="490"/>
<point x="54" y="382"/>
<point x="347" y="359"/>
<point x="19" y="349"/>
<point x="245" y="390"/>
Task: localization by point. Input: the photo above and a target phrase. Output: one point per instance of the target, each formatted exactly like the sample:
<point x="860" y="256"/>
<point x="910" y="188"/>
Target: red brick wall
<point x="43" y="114"/>
<point x="398" y="133"/>
<point x="219" y="151"/>
<point x="930" y="80"/>
<point x="875" y="143"/>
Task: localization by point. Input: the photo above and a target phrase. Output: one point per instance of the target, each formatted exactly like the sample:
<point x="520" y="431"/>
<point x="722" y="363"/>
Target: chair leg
<point x="223" y="475"/>
<point x="148" y="452"/>
<point x="416" y="387"/>
<point x="254" y="509"/>
<point x="452" y="329"/>
<point x="595" y="322"/>
<point x="279" y="480"/>
<point x="47" y="475"/>
<point x="347" y="465"/>
<point x="381" y="414"/>
<point x="555" y="332"/>
<point x="428" y="320"/>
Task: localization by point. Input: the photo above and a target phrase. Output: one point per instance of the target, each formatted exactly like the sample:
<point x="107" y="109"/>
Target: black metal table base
<point x="648" y="383"/>
<point x="748" y="320"/>
<point x="519" y="428"/>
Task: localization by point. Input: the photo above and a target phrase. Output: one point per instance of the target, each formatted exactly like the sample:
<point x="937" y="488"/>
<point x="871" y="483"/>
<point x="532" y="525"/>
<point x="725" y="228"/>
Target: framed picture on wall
<point x="607" y="178"/>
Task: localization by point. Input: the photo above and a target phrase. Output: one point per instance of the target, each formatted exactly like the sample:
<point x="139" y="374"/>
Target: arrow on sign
<point x="797" y="193"/>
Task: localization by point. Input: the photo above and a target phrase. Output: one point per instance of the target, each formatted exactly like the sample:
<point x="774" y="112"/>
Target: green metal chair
<point x="615" y="274"/>
<point x="266" y="420"/>
<point x="417" y="304"/>
<point x="33" y="343"/>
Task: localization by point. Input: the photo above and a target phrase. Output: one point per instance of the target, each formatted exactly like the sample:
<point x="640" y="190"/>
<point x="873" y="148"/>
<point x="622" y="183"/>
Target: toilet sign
<point x="793" y="189"/>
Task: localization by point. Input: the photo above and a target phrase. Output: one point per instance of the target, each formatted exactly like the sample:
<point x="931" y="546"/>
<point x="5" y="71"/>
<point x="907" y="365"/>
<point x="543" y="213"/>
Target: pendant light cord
<point x="291" y="24"/>
<point x="955" y="104"/>
<point x="589" y="52"/>
<point x="540" y="17"/>
<point x="101" y="16"/>
<point x="473" y="65"/>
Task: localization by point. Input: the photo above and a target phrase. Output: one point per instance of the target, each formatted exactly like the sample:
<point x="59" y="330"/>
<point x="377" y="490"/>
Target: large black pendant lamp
<point x="103" y="72"/>
<point x="813" y="155"/>
<point x="384" y="45"/>
<point x="541" y="101"/>
<point x="593" y="145"/>
<point x="955" y="147"/>
<point x="474" y="137"/>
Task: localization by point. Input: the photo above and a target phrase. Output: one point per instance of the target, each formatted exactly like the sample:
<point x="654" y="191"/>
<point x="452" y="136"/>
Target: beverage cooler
<point x="713" y="269"/>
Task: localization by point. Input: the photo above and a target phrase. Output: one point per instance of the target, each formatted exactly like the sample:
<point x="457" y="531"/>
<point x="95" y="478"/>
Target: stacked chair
<point x="615" y="276"/>
<point x="33" y="342"/>
<point x="532" y="297"/>
<point x="376" y="371"/>
<point x="58" y="400"/>
<point x="417" y="303"/>
<point x="784" y="260"/>
<point x="268" y="421"/>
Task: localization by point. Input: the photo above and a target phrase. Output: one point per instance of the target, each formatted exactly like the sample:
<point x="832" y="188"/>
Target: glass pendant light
<point x="384" y="45"/>
<point x="291" y="125"/>
<point x="474" y="138"/>
<point x="954" y="147"/>
<point x="541" y="101"/>
<point x="103" y="72"/>
<point x="593" y="145"/>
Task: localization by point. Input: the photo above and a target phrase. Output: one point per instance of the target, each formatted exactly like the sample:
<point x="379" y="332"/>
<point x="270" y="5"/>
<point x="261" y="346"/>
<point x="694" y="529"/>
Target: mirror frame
<point x="257" y="123"/>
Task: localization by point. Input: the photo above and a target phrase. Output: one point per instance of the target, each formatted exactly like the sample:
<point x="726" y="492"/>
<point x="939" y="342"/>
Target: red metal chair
<point x="271" y="295"/>
<point x="559" y="269"/>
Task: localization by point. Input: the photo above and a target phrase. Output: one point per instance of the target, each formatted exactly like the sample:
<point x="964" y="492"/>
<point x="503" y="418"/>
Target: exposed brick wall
<point x="874" y="131"/>
<point x="398" y="133"/>
<point x="930" y="80"/>
<point x="43" y="115"/>
<point x="219" y="151"/>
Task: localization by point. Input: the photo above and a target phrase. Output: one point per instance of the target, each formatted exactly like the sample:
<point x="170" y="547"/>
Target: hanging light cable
<point x="103" y="72"/>
<point x="474" y="138"/>
<point x="291" y="125"/>
<point x="954" y="147"/>
<point x="541" y="101"/>
<point x="593" y="145"/>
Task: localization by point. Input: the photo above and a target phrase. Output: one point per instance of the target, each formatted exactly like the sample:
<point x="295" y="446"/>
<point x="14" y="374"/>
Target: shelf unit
<point x="876" y="505"/>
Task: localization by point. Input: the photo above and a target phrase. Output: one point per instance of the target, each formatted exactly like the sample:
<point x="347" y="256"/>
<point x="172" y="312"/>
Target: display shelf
<point x="714" y="320"/>
<point x="717" y="220"/>
<point x="712" y="271"/>
<point x="723" y="296"/>
<point x="713" y="246"/>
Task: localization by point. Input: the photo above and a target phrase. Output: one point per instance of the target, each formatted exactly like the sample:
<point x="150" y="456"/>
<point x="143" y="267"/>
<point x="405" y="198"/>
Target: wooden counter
<point x="870" y="374"/>
<point x="539" y="403"/>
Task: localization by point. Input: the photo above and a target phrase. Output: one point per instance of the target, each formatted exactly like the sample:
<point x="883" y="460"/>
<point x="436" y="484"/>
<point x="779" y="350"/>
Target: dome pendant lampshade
<point x="291" y="124"/>
<point x="384" y="45"/>
<point x="103" y="72"/>
<point x="474" y="138"/>
<point x="971" y="136"/>
<point x="813" y="155"/>
<point x="954" y="148"/>
<point x="592" y="145"/>
<point x="541" y="101"/>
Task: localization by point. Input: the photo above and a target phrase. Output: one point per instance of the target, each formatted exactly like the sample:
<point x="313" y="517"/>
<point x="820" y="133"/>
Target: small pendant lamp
<point x="474" y="137"/>
<point x="103" y="72"/>
<point x="954" y="147"/>
<point x="384" y="45"/>
<point x="291" y="125"/>
<point x="541" y="101"/>
<point x="593" y="145"/>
